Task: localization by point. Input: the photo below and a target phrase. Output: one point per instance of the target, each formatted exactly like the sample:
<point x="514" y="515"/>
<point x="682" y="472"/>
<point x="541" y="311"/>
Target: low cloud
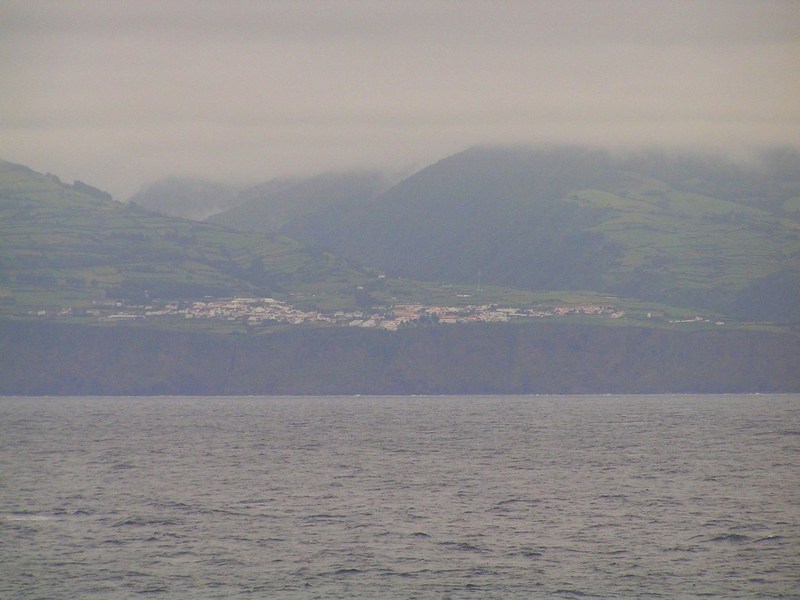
<point x="119" y="93"/>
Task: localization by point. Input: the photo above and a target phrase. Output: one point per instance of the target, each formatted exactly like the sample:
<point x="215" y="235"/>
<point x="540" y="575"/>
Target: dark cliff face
<point x="42" y="359"/>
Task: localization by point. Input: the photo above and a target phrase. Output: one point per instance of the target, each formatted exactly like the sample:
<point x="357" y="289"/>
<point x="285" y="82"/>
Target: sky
<point x="121" y="93"/>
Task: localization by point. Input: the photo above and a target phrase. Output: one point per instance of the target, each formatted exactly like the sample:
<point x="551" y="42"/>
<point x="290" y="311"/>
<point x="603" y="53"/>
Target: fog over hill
<point x="769" y="179"/>
<point x="123" y="93"/>
<point x="187" y="197"/>
<point x="270" y="206"/>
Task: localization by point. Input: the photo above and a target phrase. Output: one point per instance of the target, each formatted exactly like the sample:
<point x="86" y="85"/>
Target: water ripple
<point x="471" y="497"/>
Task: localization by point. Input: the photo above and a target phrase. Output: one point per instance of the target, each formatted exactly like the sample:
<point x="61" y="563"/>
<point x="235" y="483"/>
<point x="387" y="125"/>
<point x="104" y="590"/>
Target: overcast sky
<point x="118" y="94"/>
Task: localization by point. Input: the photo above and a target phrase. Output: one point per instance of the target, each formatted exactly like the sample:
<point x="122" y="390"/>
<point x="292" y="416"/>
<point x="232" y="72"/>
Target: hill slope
<point x="62" y="242"/>
<point x="270" y="206"/>
<point x="571" y="218"/>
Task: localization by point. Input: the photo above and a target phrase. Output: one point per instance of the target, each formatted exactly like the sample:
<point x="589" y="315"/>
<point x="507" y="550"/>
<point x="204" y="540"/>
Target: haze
<point x="121" y="93"/>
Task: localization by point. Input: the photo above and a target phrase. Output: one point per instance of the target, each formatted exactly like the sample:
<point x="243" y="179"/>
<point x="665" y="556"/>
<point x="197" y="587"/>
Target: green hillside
<point x="539" y="229"/>
<point x="577" y="219"/>
<point x="69" y="245"/>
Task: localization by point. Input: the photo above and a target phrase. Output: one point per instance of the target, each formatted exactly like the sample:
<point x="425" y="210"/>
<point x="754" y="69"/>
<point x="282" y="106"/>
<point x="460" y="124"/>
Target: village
<point x="256" y="312"/>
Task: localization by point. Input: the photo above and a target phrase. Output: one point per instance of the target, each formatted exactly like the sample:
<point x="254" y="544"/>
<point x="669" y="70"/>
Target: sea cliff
<point x="63" y="359"/>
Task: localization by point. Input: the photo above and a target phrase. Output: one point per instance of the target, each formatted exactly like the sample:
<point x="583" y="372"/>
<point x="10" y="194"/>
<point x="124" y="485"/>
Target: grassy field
<point x="706" y="242"/>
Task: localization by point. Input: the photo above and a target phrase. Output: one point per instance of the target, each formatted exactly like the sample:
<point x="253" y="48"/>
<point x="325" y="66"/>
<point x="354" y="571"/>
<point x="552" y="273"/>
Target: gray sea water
<point x="400" y="497"/>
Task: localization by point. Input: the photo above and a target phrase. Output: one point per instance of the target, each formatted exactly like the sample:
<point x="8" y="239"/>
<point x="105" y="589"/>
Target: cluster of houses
<point x="268" y="311"/>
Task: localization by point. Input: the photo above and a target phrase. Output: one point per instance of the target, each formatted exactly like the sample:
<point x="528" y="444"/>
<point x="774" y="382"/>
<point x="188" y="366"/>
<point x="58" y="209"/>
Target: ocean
<point x="400" y="497"/>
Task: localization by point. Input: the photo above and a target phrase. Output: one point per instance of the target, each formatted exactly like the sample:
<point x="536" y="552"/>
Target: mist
<point x="119" y="94"/>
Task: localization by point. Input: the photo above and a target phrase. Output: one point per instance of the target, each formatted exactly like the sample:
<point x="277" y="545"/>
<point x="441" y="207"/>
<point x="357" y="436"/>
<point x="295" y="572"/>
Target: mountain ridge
<point x="269" y="206"/>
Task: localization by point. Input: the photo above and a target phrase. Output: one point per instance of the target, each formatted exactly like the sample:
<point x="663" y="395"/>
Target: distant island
<point x="496" y="270"/>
